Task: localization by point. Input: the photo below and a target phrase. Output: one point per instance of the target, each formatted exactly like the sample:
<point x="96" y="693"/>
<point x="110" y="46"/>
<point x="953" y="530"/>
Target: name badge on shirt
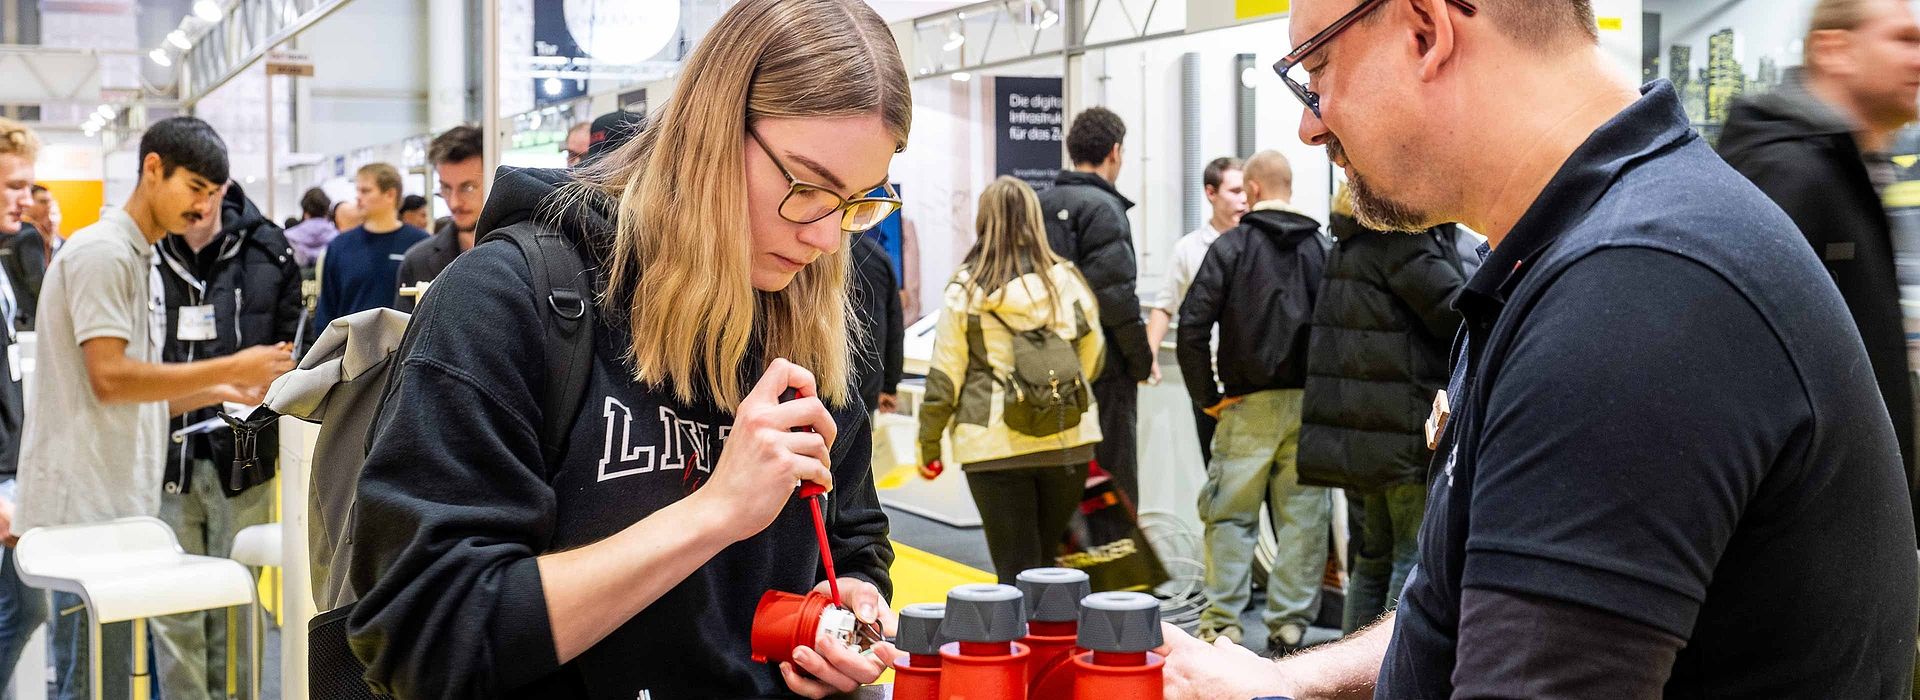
<point x="196" y="323"/>
<point x="398" y="257"/>
<point x="1437" y="421"/>
<point x="13" y="361"/>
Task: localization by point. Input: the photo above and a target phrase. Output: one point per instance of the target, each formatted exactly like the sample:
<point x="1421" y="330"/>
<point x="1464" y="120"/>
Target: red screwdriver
<point x="814" y="493"/>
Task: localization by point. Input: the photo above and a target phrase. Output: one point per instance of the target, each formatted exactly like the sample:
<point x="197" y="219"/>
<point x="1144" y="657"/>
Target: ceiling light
<point x="1048" y="19"/>
<point x="954" y="41"/>
<point x="179" y="40"/>
<point x="105" y="112"/>
<point x="208" y="10"/>
<point x="552" y="86"/>
<point x="160" y="56"/>
<point x="963" y="76"/>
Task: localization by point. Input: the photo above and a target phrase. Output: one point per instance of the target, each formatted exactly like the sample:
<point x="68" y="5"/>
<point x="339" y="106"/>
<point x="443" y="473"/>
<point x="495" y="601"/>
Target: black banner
<point x="1029" y="123"/>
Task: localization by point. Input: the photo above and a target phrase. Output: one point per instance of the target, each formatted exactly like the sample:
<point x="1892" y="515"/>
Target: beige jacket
<point x="973" y="356"/>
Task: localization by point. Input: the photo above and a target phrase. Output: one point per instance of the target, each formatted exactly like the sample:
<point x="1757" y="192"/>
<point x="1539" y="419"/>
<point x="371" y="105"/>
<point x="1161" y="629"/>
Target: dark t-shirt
<point x="359" y="272"/>
<point x="1662" y="412"/>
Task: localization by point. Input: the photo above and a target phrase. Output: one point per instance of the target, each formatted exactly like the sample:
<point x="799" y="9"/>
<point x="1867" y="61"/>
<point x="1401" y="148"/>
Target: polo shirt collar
<point x="121" y="223"/>
<point x="1653" y="124"/>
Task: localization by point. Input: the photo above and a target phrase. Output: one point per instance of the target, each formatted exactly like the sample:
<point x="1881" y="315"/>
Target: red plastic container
<point x="1108" y="676"/>
<point x="784" y="621"/>
<point x="984" y="671"/>
<point x="1050" y="667"/>
<point x="917" y="678"/>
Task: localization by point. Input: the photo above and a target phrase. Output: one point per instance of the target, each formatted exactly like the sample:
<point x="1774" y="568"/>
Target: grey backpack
<point x="1046" y="392"/>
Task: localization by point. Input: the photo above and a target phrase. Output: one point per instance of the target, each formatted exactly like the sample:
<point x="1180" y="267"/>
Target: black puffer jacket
<point x="1087" y="224"/>
<point x="1259" y="282"/>
<point x="253" y="283"/>
<point x="1380" y="340"/>
<point x="1803" y="156"/>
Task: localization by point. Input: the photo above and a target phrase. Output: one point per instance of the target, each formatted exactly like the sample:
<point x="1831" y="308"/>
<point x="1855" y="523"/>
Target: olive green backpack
<point x="1046" y="393"/>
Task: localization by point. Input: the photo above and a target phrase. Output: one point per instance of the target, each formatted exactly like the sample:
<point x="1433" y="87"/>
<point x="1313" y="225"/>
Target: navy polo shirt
<point x="1662" y="410"/>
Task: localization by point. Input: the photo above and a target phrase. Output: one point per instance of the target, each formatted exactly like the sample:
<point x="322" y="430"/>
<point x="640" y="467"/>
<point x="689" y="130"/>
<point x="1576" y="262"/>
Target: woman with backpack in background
<point x="629" y="563"/>
<point x="1017" y="340"/>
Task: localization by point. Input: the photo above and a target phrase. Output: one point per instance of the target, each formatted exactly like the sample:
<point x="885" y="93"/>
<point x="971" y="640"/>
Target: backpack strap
<point x="563" y="288"/>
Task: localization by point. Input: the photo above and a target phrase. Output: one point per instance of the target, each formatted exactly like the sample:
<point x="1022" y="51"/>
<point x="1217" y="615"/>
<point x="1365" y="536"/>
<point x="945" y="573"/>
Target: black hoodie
<point x="1803" y="155"/>
<point x="455" y="503"/>
<point x="1259" y="282"/>
<point x="248" y="274"/>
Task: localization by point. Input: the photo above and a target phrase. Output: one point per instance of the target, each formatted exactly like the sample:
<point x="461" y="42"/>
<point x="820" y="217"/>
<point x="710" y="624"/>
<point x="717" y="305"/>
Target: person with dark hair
<point x="1819" y="148"/>
<point x="611" y="131"/>
<point x="456" y="156"/>
<point x="362" y="266"/>
<point x="413" y="212"/>
<point x="96" y="432"/>
<point x="1662" y="465"/>
<point x="1224" y="184"/>
<point x="229" y="281"/>
<point x="45" y="213"/>
<point x="1087" y="224"/>
<point x="579" y="139"/>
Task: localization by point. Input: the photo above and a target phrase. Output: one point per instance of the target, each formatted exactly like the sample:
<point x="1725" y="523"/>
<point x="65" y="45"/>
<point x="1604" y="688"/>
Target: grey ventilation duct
<point x="1243" y="106"/>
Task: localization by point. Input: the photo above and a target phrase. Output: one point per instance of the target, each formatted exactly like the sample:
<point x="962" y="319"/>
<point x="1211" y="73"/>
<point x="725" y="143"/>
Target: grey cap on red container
<point x="920" y="629"/>
<point x="1120" y="622"/>
<point x="985" y="612"/>
<point x="1053" y="594"/>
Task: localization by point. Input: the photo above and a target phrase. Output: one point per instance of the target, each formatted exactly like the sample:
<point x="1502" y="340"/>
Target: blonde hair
<point x="1011" y="243"/>
<point x="1844" y="15"/>
<point x="384" y="176"/>
<point x="18" y="140"/>
<point x="680" y="264"/>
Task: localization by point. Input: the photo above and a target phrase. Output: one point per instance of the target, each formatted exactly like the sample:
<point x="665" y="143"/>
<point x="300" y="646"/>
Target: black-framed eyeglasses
<point x="806" y="202"/>
<point x="1290" y="66"/>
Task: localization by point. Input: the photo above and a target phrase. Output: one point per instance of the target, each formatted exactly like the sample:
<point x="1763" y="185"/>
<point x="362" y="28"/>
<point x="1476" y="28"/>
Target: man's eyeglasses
<point x="806" y="202"/>
<point x="447" y="191"/>
<point x="1296" y="77"/>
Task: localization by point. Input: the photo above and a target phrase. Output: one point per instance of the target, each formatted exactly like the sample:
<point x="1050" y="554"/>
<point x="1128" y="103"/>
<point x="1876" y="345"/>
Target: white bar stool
<point x="129" y="569"/>
<point x="255" y="546"/>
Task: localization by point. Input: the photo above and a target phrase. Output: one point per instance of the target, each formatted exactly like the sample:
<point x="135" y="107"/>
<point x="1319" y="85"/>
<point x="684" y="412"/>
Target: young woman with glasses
<point x="631" y="566"/>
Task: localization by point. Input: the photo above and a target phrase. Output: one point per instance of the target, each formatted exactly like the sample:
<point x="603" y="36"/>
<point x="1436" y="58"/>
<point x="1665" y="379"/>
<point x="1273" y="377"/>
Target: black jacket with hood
<point x="1381" y="333"/>
<point x="1259" y="282"/>
<point x="1803" y="155"/>
<point x="880" y="356"/>
<point x="455" y="502"/>
<point x="1086" y="221"/>
<point x="249" y="276"/>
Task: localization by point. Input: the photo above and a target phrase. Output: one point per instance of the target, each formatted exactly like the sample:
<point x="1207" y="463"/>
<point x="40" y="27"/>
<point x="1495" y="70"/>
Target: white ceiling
<point x="897" y="10"/>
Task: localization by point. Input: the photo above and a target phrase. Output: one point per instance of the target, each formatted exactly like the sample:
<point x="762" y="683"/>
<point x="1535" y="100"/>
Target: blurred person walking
<point x="310" y="237"/>
<point x="22" y="609"/>
<point x="1819" y="147"/>
<point x="1014" y="306"/>
<point x="362" y="265"/>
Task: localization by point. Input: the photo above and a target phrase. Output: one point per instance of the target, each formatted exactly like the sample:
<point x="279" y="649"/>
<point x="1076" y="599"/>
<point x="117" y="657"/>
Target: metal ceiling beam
<point x="246" y="33"/>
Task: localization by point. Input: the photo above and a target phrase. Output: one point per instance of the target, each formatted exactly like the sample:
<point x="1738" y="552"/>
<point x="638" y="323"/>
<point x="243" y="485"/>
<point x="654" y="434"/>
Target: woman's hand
<point x="766" y="459"/>
<point x="831" y="667"/>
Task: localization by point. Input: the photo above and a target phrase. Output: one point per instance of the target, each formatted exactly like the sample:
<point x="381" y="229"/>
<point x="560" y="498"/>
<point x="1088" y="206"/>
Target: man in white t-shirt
<point x="96" y="425"/>
<point x="1227" y="193"/>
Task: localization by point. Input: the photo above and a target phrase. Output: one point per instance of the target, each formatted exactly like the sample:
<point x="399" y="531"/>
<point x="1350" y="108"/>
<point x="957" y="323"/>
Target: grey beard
<point x="1375" y="211"/>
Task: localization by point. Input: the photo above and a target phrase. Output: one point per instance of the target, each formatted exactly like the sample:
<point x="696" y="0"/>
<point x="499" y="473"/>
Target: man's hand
<point x="261" y="364"/>
<point x="1226" y="403"/>
<point x="889" y="403"/>
<point x="6" y="524"/>
<point x="245" y="396"/>
<point x="833" y="667"/>
<point x="1197" y="670"/>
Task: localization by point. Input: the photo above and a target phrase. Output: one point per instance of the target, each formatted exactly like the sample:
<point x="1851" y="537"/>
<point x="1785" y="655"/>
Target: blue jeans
<point x="1254" y="463"/>
<point x="1386" y="545"/>
<point x="22" y="610"/>
<point x="70" y="652"/>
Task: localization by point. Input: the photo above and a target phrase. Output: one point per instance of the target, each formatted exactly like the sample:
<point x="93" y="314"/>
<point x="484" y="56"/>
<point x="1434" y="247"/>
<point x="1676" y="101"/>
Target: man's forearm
<point x="1342" y="670"/>
<point x="1158" y="321"/>
<point x="133" y="381"/>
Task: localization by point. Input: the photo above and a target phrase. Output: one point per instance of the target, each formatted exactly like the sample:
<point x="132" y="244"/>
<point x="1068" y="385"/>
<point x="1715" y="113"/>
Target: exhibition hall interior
<point x="947" y="349"/>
